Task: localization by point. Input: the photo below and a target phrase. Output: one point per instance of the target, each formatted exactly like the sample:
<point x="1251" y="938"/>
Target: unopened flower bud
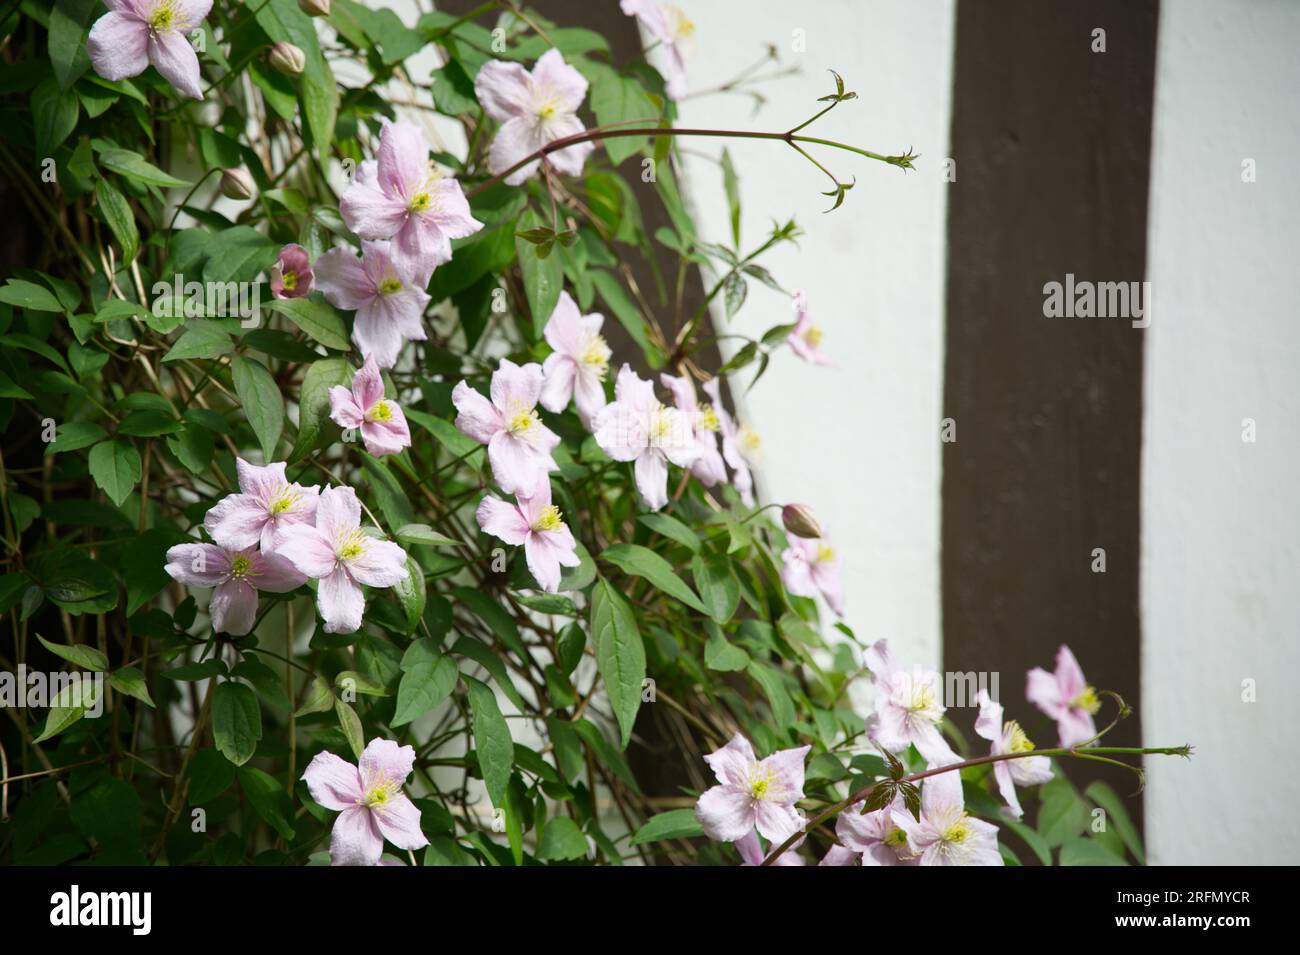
<point x="237" y="184"/>
<point x="287" y="58"/>
<point x="800" y="521"/>
<point x="315" y="8"/>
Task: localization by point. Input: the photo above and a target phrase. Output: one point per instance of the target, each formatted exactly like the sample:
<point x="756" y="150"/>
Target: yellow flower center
<point x="760" y="782"/>
<point x="381" y="412"/>
<point x="352" y="546"/>
<point x="709" y="418"/>
<point x="1087" y="701"/>
<point x="421" y="202"/>
<point x="285" y="500"/>
<point x="164" y="17"/>
<point x="597" y="355"/>
<point x="679" y="23"/>
<point x="751" y="445"/>
<point x="661" y="424"/>
<point x="523" y="420"/>
<point x="550" y="519"/>
<point x="380" y="793"/>
<point x="1020" y="743"/>
<point x="923" y="697"/>
<point x="813" y="336"/>
<point x="896" y="838"/>
<point x="290" y="280"/>
<point x="825" y="554"/>
<point x="959" y="831"/>
<point x="547" y="109"/>
<point x="240" y="566"/>
<point x="390" y="285"/>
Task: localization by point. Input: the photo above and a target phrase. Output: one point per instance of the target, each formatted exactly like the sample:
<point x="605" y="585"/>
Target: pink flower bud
<point x="315" y="8"/>
<point x="237" y="184"/>
<point x="287" y="58"/>
<point x="800" y="521"/>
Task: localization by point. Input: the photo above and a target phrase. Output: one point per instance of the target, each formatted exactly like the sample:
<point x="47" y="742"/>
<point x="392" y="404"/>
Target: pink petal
<point x="403" y="159"/>
<point x="504" y="90"/>
<point x="451" y="210"/>
<point x="1042" y="689"/>
<point x="344" y="411"/>
<point x="651" y="472"/>
<point x="827" y="578"/>
<point x="750" y="849"/>
<point x="941" y="793"/>
<point x="1075" y="726"/>
<point x="838" y="855"/>
<point x="1007" y="787"/>
<point x="380" y="564"/>
<point x="368" y="385"/>
<point x="989" y="723"/>
<point x="275" y="574"/>
<point x="516" y="467"/>
<point x="731" y="763"/>
<point x="385" y="762"/>
<point x="1069" y="674"/>
<point x="173" y="57"/>
<point x="880" y="661"/>
<point x="399" y="822"/>
<point x="340" y="602"/>
<point x="343" y="280"/>
<point x="338" y="512"/>
<point x="371" y="213"/>
<point x="375" y="332"/>
<point x="563" y="330"/>
<point x="569" y="160"/>
<point x="233" y="608"/>
<point x="261" y="482"/>
<point x="193" y="12"/>
<point x="355" y="839"/>
<point x="333" y="783"/>
<point x="502" y="520"/>
<point x="787" y="767"/>
<point x="726" y="813"/>
<point x="476" y="417"/>
<point x="515" y="140"/>
<point x="307" y="549"/>
<point x="632" y="390"/>
<point x="543" y="562"/>
<point x="387" y="437"/>
<point x="516" y="387"/>
<point x="776" y="821"/>
<point x="930" y="743"/>
<point x="418" y="248"/>
<point x="562" y="84"/>
<point x="197" y="565"/>
<point x="119" y="46"/>
<point x="236" y="521"/>
<point x="558" y="372"/>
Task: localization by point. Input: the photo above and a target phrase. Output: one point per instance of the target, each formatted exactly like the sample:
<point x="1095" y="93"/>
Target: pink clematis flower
<point x="537" y="524"/>
<point x="812" y="566"/>
<point x="1008" y="737"/>
<point x="372" y="806"/>
<point x="1066" y="697"/>
<point x="753" y="793"/>
<point x="576" y="369"/>
<point x="751" y="851"/>
<point x="389" y="304"/>
<point x="291" y="276"/>
<point x="266" y="503"/>
<point x="534" y="109"/>
<point x="637" y="427"/>
<point x="237" y="576"/>
<point x="945" y="834"/>
<point x="673" y="31"/>
<point x="519" y="445"/>
<point x="907" y="708"/>
<point x="402" y="198"/>
<point x="342" y="557"/>
<point x="805" y="338"/>
<point x="708" y="466"/>
<point x="739" y="444"/>
<point x="135" y="33"/>
<point x="873" y="837"/>
<point x="382" y="422"/>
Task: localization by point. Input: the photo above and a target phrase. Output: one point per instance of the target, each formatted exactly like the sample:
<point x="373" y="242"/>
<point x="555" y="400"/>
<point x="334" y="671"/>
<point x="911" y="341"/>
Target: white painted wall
<point x="1221" y="528"/>
<point x="858" y="442"/>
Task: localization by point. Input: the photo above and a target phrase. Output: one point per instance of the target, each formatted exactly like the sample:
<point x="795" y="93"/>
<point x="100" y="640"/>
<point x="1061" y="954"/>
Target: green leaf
<point x="620" y="653"/>
<point x="1088" y="852"/>
<point x="133" y="166"/>
<point x="115" y="466"/>
<point x="673" y="824"/>
<point x="29" y="295"/>
<point x="617" y="100"/>
<point x="68" y="707"/>
<point x="210" y="775"/>
<point x="88" y="658"/>
<point x="543" y="276"/>
<point x="1031" y="839"/>
<point x="492" y="741"/>
<point x="314" y="402"/>
<point x="263" y="404"/>
<point x="611" y="291"/>
<point x="350" y="724"/>
<point x="561" y="840"/>
<point x="490" y="612"/>
<point x="319" y="698"/>
<point x="120" y="219"/>
<point x="645" y="563"/>
<point x="774" y="689"/>
<point x="718" y="586"/>
<point x="392" y="499"/>
<point x="724" y="656"/>
<point x="317" y="318"/>
<point x="671" y="528"/>
<point x="732" y="189"/>
<point x="130" y="682"/>
<point x="1118" y="817"/>
<point x="411" y="594"/>
<point x="68" y="21"/>
<point x="424" y="534"/>
<point x="1062" y="814"/>
<point x="268" y="799"/>
<point x="238" y="254"/>
<point x="54" y="116"/>
<point x="236" y="721"/>
<point x="267" y="682"/>
<point x="428" y="677"/>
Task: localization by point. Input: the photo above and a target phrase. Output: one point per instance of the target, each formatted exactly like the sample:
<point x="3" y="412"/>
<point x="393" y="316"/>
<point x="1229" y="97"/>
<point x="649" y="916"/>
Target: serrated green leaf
<point x="620" y="653"/>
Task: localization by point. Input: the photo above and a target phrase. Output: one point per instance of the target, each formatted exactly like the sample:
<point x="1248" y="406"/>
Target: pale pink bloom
<point x="135" y="33"/>
<point x="291" y="276"/>
<point x="708" y="466"/>
<point x="874" y="836"/>
<point x="576" y="369"/>
<point x="534" y="109"/>
<point x="237" y="576"/>
<point x="402" y="198"/>
<point x="369" y="797"/>
<point x="908" y="708"/>
<point x="388" y="302"/>
<point x="637" y="427"/>
<point x="266" y="503"/>
<point x="805" y="338"/>
<point x="838" y="856"/>
<point x="751" y="851"/>
<point x="945" y="834"/>
<point x="519" y="445"/>
<point x="811" y="566"/>
<point x="342" y="557"/>
<point x="382" y="422"/>
<point x="1066" y="697"/>
<point x="752" y="793"/>
<point x="673" y="31"/>
<point x="739" y="444"/>
<point x="537" y="524"/>
<point x="1008" y="737"/>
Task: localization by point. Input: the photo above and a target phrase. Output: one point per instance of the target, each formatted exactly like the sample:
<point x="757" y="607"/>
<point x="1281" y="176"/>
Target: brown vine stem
<point x="1076" y="752"/>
